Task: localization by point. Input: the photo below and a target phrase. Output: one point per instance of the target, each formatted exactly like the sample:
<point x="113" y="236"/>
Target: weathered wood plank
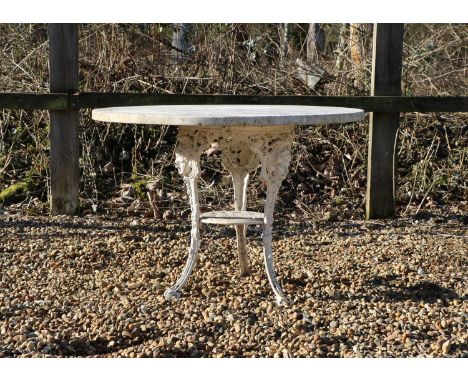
<point x="34" y="101"/>
<point x="368" y="103"/>
<point x="64" y="141"/>
<point x="62" y="101"/>
<point x="383" y="127"/>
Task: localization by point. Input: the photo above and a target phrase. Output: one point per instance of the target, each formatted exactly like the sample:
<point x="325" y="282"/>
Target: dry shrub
<point x="328" y="171"/>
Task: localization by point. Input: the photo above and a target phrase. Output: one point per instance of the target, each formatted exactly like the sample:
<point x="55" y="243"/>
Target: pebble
<point x="46" y="349"/>
<point x="334" y="324"/>
<point x="446" y="347"/>
<point x="103" y="296"/>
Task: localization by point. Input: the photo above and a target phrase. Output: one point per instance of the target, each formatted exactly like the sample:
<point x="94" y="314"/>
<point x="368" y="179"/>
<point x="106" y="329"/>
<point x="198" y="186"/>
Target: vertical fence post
<point x="64" y="142"/>
<point x="383" y="127"/>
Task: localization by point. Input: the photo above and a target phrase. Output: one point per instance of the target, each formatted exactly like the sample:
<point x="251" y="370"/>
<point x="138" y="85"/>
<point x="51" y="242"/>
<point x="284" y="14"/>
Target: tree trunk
<point x="356" y="43"/>
<point x="341" y="47"/>
<point x="284" y="40"/>
<point x="315" y="42"/>
<point x="180" y="42"/>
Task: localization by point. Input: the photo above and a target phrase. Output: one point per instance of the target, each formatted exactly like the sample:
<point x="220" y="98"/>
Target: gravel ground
<point x="93" y="286"/>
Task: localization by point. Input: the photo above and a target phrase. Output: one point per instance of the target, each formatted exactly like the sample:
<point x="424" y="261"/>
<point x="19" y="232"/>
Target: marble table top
<point x="228" y="115"/>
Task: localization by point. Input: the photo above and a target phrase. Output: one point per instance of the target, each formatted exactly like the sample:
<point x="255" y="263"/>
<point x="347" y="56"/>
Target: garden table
<point x="249" y="136"/>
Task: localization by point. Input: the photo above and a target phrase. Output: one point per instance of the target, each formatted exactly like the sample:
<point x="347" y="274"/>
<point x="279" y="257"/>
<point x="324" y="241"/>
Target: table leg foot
<point x="244" y="271"/>
<point x="283" y="301"/>
<point x="280" y="297"/>
<point x="170" y="294"/>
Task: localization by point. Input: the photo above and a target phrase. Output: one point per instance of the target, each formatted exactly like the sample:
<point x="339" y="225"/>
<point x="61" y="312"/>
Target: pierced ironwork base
<point x="243" y="150"/>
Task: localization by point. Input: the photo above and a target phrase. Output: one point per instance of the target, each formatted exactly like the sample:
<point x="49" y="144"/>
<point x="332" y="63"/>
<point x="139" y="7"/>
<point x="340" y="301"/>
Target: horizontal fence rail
<point x="64" y="101"/>
<point x="35" y="101"/>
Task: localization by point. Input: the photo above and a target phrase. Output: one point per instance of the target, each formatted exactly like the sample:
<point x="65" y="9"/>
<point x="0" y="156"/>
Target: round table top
<point x="228" y="115"/>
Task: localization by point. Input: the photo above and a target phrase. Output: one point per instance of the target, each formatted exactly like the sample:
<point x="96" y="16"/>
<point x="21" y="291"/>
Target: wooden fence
<point x="385" y="105"/>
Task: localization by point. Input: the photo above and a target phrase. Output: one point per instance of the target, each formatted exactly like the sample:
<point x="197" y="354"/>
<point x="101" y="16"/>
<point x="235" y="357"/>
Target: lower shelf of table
<point x="232" y="217"/>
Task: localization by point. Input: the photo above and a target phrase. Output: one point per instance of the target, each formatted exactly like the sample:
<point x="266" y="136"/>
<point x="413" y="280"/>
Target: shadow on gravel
<point x="82" y="347"/>
<point x="101" y="347"/>
<point x="93" y="226"/>
<point x="423" y="291"/>
<point x="463" y="347"/>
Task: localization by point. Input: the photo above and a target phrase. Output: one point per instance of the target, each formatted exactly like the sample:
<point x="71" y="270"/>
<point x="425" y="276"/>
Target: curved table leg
<point x="240" y="179"/>
<point x="275" y="155"/>
<point x="239" y="160"/>
<point x="189" y="148"/>
<point x="192" y="189"/>
<point x="272" y="192"/>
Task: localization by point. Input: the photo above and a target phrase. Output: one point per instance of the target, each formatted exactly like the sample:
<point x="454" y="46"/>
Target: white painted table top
<point x="228" y="115"/>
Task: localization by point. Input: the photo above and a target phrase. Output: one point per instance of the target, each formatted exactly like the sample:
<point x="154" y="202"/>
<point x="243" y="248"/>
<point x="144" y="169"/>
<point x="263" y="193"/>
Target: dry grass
<point x="329" y="165"/>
